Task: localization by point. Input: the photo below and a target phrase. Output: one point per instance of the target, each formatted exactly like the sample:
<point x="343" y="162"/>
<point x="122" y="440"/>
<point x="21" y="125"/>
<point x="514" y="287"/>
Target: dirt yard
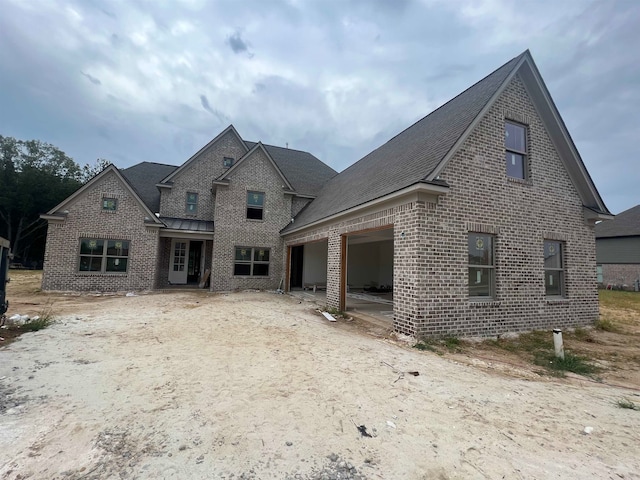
<point x="255" y="385"/>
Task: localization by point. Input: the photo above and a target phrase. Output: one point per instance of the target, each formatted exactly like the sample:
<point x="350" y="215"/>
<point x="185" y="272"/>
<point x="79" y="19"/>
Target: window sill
<point x="255" y="220"/>
<point x="557" y="300"/>
<point x="109" y="211"/>
<point x="520" y="181"/>
<point x="252" y="276"/>
<point x="101" y="274"/>
<point x="483" y="302"/>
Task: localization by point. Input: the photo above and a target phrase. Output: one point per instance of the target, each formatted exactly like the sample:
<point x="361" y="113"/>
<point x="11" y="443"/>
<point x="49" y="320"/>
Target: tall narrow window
<point x="192" y="203"/>
<point x="255" y="205"/>
<point x="515" y="141"/>
<point x="481" y="266"/>
<point x="554" y="268"/>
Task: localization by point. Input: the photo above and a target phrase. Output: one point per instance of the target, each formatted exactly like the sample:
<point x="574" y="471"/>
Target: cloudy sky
<point x="147" y="80"/>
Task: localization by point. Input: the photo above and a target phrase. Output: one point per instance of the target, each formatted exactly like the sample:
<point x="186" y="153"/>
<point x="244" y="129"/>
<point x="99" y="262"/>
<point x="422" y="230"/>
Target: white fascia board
<point x="190" y="234"/>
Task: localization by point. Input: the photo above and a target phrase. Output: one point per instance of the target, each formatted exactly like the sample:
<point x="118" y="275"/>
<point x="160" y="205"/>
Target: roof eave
<point x="422" y="187"/>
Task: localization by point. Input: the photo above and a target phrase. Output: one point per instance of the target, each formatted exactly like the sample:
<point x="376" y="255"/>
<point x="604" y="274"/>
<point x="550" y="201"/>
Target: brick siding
<point x="86" y="219"/>
<point x="431" y="258"/>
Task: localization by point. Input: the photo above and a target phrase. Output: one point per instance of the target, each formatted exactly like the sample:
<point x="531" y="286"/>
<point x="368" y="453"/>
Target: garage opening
<point x="308" y="267"/>
<point x="369" y="274"/>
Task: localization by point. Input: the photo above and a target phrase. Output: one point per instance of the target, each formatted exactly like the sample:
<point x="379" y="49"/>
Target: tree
<point x="90" y="171"/>
<point x="34" y="177"/>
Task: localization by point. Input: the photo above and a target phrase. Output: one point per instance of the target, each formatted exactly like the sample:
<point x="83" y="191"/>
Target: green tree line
<point x="34" y="177"/>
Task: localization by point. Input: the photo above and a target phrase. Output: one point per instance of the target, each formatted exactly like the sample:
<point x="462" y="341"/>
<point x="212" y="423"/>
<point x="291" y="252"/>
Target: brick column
<point x="409" y="269"/>
<point x="333" y="268"/>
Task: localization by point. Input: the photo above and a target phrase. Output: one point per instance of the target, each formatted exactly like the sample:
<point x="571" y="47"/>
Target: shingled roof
<point x="407" y="158"/>
<point x="143" y="178"/>
<point x="306" y="173"/>
<point x="625" y="224"/>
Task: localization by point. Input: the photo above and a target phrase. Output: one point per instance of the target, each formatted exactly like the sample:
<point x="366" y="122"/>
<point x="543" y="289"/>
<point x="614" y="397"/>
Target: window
<point x="255" y="205"/>
<point x="515" y="141"/>
<point x="481" y="265"/>
<point x="227" y="162"/>
<point x="109" y="204"/>
<point x="251" y="261"/>
<point x="554" y="268"/>
<point x="192" y="203"/>
<point x="103" y="256"/>
<point x="599" y="273"/>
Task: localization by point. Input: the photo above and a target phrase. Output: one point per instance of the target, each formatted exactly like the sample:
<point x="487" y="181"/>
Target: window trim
<point x="195" y="204"/>
<point x="523" y="153"/>
<point x="104" y="256"/>
<point x="256" y="208"/>
<point x="115" y="204"/>
<point x="562" y="269"/>
<point x="251" y="262"/>
<point x="491" y="268"/>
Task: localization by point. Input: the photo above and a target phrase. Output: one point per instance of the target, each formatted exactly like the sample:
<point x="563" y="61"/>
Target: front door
<point x="178" y="263"/>
<point x="195" y="262"/>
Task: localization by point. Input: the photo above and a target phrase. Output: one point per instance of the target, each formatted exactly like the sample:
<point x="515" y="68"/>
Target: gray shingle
<point x="306" y="173"/>
<point x="143" y="178"/>
<point x="625" y="224"/>
<point x="407" y="158"/>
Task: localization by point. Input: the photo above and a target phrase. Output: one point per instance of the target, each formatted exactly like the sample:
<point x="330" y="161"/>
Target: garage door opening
<point x="308" y="267"/>
<point x="369" y="274"/>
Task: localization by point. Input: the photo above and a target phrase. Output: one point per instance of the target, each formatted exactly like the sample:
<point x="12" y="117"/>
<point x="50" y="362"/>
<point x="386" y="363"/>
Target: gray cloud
<point x="237" y="44"/>
<point x="92" y="79"/>
<point x="334" y="78"/>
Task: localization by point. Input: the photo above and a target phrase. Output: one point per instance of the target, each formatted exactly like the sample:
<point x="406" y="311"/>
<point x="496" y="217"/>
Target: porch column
<point x="334" y="266"/>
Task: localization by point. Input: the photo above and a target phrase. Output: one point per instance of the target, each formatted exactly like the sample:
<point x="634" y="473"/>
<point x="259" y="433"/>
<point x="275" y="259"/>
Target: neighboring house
<point x="479" y="217"/>
<point x="618" y="250"/>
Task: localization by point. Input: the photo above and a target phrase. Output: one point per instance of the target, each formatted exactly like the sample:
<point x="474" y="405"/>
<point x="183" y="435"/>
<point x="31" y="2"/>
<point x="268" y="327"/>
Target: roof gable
<point x="257" y="147"/>
<point x="420" y="152"/>
<point x="625" y="224"/>
<point x="182" y="167"/>
<point x="306" y="173"/>
<point x="91" y="183"/>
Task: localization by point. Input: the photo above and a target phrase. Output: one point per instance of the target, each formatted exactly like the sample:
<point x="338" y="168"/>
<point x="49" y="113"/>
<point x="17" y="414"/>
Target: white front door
<point x="178" y="262"/>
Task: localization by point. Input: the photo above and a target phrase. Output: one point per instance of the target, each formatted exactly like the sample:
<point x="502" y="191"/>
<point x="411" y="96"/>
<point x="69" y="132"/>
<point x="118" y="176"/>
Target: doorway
<point x="297" y="260"/>
<point x="186" y="262"/>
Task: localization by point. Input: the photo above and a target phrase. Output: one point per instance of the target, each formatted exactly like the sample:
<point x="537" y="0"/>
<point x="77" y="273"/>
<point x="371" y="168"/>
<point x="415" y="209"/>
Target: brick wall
<point x="620" y="274"/>
<point x="197" y="178"/>
<point x="232" y="228"/>
<point x="86" y="219"/>
<point x="431" y="258"/>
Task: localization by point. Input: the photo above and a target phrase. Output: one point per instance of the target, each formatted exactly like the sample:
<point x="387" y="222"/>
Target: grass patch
<point x="571" y="363"/>
<point x="619" y="299"/>
<point x="628" y="404"/>
<point x="530" y="342"/>
<point x="334" y="311"/>
<point x="440" y="345"/>
<point x="582" y="335"/>
<point x="607" y="325"/>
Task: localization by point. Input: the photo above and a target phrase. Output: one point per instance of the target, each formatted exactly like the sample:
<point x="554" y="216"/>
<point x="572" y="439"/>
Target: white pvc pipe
<point x="557" y="343"/>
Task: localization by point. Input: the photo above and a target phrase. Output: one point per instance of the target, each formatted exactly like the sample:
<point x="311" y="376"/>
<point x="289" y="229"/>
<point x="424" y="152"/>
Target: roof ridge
<point x="515" y="59"/>
<point x="151" y="163"/>
<point x="281" y="148"/>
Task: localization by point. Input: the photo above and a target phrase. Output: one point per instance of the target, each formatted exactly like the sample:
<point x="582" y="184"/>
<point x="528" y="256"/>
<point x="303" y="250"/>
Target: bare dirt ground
<point x="259" y="386"/>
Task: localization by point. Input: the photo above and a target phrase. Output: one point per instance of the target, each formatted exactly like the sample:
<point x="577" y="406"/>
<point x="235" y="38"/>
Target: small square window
<point x="251" y="261"/>
<point x="109" y="204"/>
<point x="255" y="205"/>
<point x="515" y="142"/>
<point x="192" y="203"/>
<point x="227" y="162"/>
